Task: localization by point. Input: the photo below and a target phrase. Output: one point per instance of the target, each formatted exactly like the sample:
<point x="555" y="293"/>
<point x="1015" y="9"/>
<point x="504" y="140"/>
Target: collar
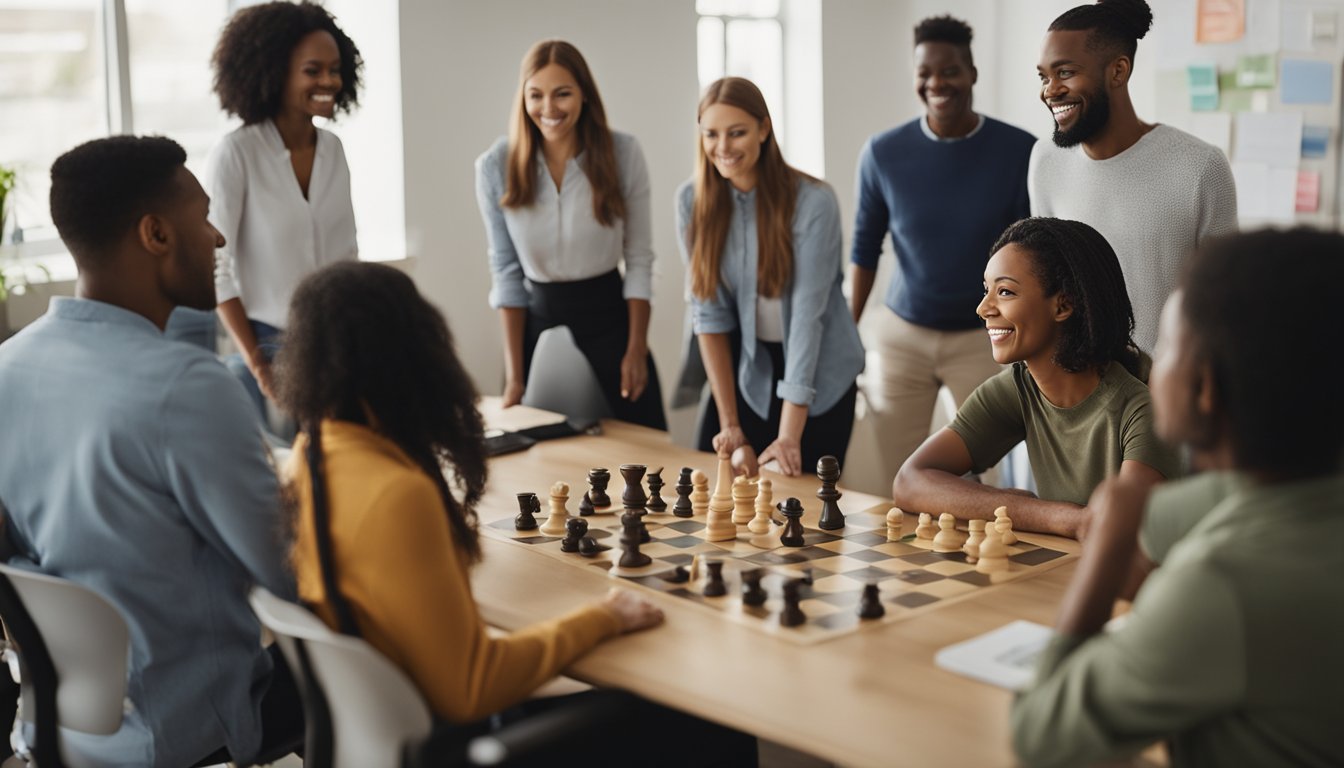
<point x="90" y="311"/>
<point x="924" y="126"/>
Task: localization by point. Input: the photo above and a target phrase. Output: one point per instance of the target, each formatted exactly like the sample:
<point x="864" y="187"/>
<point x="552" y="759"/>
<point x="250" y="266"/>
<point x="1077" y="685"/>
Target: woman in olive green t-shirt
<point x="1056" y="308"/>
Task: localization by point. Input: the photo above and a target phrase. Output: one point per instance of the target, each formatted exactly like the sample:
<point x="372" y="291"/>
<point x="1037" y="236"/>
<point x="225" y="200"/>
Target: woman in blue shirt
<point x="762" y="243"/>
<point x="565" y="199"/>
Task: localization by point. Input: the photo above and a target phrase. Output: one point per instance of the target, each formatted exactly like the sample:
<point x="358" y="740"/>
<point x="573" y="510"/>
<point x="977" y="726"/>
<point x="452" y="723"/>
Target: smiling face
<point x="314" y="76"/>
<point x="1073" y="87"/>
<point x="1023" y="323"/>
<point x="553" y="102"/>
<point x="943" y="81"/>
<point x="188" y="274"/>
<point x="731" y="138"/>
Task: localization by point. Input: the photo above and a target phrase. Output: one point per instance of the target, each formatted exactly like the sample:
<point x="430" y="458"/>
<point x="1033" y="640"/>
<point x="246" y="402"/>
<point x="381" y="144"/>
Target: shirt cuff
<point x="225" y="291"/>
<point x="1056" y="651"/>
<point x="512" y="294"/>
<point x="712" y="325"/>
<point x="638" y="286"/>
<point x="795" y="393"/>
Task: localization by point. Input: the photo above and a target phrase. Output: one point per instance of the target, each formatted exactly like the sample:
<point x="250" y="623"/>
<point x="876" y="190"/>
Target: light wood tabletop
<point x="872" y="697"/>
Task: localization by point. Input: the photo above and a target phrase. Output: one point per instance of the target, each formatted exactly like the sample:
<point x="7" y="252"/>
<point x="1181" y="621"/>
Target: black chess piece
<point x="752" y="593"/>
<point x="791" y="615"/>
<point x="806" y="575"/>
<point x="715" y="586"/>
<point x="633" y="496"/>
<point x="678" y="575"/>
<point x="792" y="510"/>
<point x="597" y="482"/>
<point x="585" y="505"/>
<point x="575" y="529"/>
<point x="588" y="547"/>
<point x="656" y="503"/>
<point x="631" y="557"/>
<point x="638" y="516"/>
<point x="870" y="607"/>
<point x="682" y="507"/>
<point x="528" y="505"/>
<point x="828" y="472"/>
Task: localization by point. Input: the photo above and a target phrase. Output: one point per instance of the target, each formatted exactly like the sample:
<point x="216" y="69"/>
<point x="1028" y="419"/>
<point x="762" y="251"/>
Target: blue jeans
<point x="268" y="344"/>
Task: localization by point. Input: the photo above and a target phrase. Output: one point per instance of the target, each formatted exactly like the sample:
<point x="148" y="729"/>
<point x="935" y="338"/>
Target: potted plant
<point x="13" y="273"/>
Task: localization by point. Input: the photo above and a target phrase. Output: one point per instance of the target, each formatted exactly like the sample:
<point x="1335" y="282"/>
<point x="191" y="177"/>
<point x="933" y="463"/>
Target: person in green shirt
<point x="1055" y="307"/>
<point x="1231" y="651"/>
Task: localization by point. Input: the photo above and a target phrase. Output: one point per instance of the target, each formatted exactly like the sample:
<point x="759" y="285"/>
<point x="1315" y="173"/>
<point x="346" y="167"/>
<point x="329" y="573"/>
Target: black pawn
<point x="631" y="557"/>
<point x="828" y="472"/>
<point x="575" y="529"/>
<point x="678" y="575"/>
<point x="752" y="594"/>
<point x="588" y="547"/>
<point x="715" y="586"/>
<point x="791" y="615"/>
<point x="638" y="516"/>
<point x="870" y="607"/>
<point x="682" y="507"/>
<point x="792" y="510"/>
<point x="585" y="505"/>
<point x="597" y="480"/>
<point x="528" y="505"/>
<point x="656" y="503"/>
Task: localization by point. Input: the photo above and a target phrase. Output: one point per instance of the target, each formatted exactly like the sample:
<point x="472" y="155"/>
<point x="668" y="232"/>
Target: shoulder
<point x="686" y="194"/>
<point x="331" y="139"/>
<point x="895" y="138"/>
<point x="816" y="196"/>
<point x="1006" y="385"/>
<point x="625" y="144"/>
<point x="1045" y="154"/>
<point x="493" y="159"/>
<point x="1128" y="388"/>
<point x="1009" y="134"/>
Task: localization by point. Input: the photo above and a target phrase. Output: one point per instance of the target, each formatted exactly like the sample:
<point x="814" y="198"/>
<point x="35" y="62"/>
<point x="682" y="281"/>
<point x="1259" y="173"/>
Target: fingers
<point x="633" y="612"/>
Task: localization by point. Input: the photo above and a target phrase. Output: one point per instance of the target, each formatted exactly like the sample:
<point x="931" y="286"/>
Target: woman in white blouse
<point x="565" y="200"/>
<point x="279" y="185"/>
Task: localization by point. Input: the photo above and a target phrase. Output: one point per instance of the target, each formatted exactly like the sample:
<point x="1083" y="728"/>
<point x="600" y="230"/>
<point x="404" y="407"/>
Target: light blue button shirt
<point x="822" y="351"/>
<point x="132" y="464"/>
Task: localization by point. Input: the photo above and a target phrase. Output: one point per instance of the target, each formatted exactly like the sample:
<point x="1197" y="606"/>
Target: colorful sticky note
<point x="1314" y="140"/>
<point x="1220" y="21"/>
<point x="1203" y="80"/>
<point x="1230" y="97"/>
<point x="1255" y="71"/>
<point x="1308" y="191"/>
<point x="1307" y="82"/>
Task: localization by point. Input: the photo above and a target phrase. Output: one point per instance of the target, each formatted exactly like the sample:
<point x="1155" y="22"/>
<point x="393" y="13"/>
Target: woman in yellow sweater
<point x="383" y="541"/>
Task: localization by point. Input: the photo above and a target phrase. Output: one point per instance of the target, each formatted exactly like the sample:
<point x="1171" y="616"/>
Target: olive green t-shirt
<point x="1071" y="449"/>
<point x="1173" y="509"/>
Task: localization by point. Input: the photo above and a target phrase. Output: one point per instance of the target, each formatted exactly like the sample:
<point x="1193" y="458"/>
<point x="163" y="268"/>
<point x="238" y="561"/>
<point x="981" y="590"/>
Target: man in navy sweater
<point x="945" y="185"/>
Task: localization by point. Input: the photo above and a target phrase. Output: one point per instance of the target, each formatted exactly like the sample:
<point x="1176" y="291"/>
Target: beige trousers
<point x="908" y="365"/>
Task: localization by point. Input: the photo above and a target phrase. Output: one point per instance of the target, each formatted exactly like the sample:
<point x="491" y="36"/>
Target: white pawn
<point x="765" y="504"/>
<point x="1004" y="524"/>
<point x="948" y="538"/>
<point x="993" y="555"/>
<point x="925" y="530"/>
<point x="555" y="521"/>
<point x="895" y="519"/>
<point x="700" y="494"/>
<point x="744" y="494"/>
<point x="972" y="545"/>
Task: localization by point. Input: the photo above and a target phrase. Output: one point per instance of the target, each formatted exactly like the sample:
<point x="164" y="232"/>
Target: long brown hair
<point x="776" y="196"/>
<point x="594" y="137"/>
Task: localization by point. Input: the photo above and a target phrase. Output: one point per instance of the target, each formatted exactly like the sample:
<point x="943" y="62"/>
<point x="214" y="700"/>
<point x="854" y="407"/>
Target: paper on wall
<point x="1305" y="81"/>
<point x="1271" y="138"/>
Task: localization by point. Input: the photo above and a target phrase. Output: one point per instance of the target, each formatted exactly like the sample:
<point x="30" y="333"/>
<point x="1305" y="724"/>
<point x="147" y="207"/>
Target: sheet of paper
<point x="1213" y="127"/>
<point x="1314" y="141"/>
<point x="1220" y="21"/>
<point x="1307" y="82"/>
<point x="1005" y="657"/>
<point x="1272" y="138"/>
<point x="1255" y="71"/>
<point x="1281" y="194"/>
<point x="1252" y="198"/>
<point x="1295" y="28"/>
<point x="1203" y="81"/>
<point x="1308" y="191"/>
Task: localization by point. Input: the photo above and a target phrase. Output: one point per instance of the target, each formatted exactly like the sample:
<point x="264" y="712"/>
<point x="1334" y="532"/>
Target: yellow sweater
<point x="407" y="583"/>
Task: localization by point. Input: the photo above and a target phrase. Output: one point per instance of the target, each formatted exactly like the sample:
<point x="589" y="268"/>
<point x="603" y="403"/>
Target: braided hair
<point x="1073" y="259"/>
<point x="1115" y="25"/>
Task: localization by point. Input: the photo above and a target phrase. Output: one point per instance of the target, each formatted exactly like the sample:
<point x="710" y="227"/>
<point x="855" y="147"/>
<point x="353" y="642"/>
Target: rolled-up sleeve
<point x="714" y="315"/>
<point x="638" y="248"/>
<point x="816" y="267"/>
<point x="507" y="287"/>
<point x="227" y="187"/>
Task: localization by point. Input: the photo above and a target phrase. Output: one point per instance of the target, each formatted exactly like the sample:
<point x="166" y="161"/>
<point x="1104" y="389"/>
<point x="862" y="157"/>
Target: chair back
<point x="561" y="380"/>
<point x="375" y="711"/>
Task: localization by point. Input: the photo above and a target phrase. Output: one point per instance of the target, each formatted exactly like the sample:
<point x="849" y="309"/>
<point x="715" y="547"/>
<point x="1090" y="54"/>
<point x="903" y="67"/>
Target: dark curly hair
<point x="101" y="188"/>
<point x="1072" y="258"/>
<point x="361" y="344"/>
<point x="1255" y="305"/>
<point x="251" y="60"/>
<point x="945" y="29"/>
<point x="1116" y="25"/>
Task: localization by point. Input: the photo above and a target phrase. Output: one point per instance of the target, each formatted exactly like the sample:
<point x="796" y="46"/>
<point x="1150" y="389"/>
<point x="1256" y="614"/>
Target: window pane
<point x="756" y="52"/>
<point x="764" y="9"/>
<point x="52" y="94"/>
<point x="709" y="50"/>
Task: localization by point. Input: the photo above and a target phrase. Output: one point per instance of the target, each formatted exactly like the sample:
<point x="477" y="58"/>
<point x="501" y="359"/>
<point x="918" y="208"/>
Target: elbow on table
<point x="904" y="486"/>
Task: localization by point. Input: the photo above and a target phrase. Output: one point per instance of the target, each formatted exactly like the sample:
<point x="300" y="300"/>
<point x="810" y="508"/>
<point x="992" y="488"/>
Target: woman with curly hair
<point x="384" y="542"/>
<point x="565" y="201"/>
<point x="1055" y="307"/>
<point x="279" y="185"/>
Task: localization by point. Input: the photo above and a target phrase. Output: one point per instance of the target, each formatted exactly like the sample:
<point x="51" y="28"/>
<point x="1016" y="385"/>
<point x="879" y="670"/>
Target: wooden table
<point x="871" y="698"/>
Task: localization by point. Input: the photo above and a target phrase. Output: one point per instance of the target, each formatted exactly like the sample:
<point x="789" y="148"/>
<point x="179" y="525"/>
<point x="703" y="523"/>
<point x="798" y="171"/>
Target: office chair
<point x="560" y="379"/>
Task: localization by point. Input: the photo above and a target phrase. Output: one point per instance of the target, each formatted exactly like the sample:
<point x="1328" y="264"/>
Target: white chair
<point x="70" y="647"/>
<point x="560" y="379"/>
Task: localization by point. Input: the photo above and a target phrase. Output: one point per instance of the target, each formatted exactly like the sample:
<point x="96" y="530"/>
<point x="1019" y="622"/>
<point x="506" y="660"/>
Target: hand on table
<point x="634" y="374"/>
<point x="634" y="612"/>
<point x="787" y="453"/>
<point x="513" y="393"/>
<point x="729" y="439"/>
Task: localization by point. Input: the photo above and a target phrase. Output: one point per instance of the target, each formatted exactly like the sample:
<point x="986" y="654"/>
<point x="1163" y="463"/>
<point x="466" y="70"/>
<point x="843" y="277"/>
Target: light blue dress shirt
<point x="557" y="239"/>
<point x="132" y="464"/>
<point x="822" y="351"/>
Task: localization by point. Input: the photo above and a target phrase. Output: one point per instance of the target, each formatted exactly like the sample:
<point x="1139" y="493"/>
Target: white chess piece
<point x="719" y="524"/>
<point x="993" y="555"/>
<point x="948" y="538"/>
<point x="972" y="545"/>
<point x="765" y="499"/>
<point x="744" y="494"/>
<point x="1004" y="525"/>
<point x="699" y="493"/>
<point x="926" y="529"/>
<point x="558" y="515"/>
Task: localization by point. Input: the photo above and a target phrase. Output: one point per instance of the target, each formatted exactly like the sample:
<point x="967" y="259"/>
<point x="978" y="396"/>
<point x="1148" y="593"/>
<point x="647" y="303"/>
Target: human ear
<point x="1063" y="308"/>
<point x="765" y="130"/>
<point x="1206" y="394"/>
<point x="975" y="75"/>
<point x="1121" y="69"/>
<point x="153" y="233"/>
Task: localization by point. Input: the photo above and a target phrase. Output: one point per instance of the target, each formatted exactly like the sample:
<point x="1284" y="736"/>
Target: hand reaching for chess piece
<point x="744" y="462"/>
<point x="633" y="612"/>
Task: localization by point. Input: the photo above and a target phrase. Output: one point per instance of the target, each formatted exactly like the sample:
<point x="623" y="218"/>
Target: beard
<point x="1096" y="113"/>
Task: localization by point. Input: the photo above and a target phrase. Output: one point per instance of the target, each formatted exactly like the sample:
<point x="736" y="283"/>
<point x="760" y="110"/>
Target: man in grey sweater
<point x="1154" y="192"/>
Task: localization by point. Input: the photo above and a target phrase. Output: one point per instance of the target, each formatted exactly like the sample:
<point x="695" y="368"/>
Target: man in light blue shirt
<point x="132" y="464"/>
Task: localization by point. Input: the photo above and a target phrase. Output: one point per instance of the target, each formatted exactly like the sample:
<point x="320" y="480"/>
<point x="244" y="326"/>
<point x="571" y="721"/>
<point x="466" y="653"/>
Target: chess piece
<point x="948" y="538"/>
<point x="700" y="496"/>
<point x="631" y="557"/>
<point x="656" y="503"/>
<point x="1004" y="524"/>
<point x="633" y="496"/>
<point x="972" y="545"/>
<point x="792" y="510"/>
<point x="719" y="524"/>
<point x="895" y="519"/>
<point x="715" y="586"/>
<point x="993" y="554"/>
<point x="752" y="593"/>
<point x="744" y="494"/>
<point x="558" y="516"/>
<point x="575" y="529"/>
<point x="828" y="472"/>
<point x="870" y="607"/>
<point x="586" y="505"/>
<point x="792" y="615"/>
<point x="805" y="575"/>
<point x="528" y="505"/>
<point x="637" y="515"/>
<point x="597" y="487"/>
<point x="682" y="507"/>
<point x="760" y="524"/>
<point x="588" y="547"/>
<point x="926" y="529"/>
<point x="678" y="575"/>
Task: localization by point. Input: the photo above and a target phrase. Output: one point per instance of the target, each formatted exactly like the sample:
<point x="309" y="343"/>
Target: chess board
<point x="911" y="577"/>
